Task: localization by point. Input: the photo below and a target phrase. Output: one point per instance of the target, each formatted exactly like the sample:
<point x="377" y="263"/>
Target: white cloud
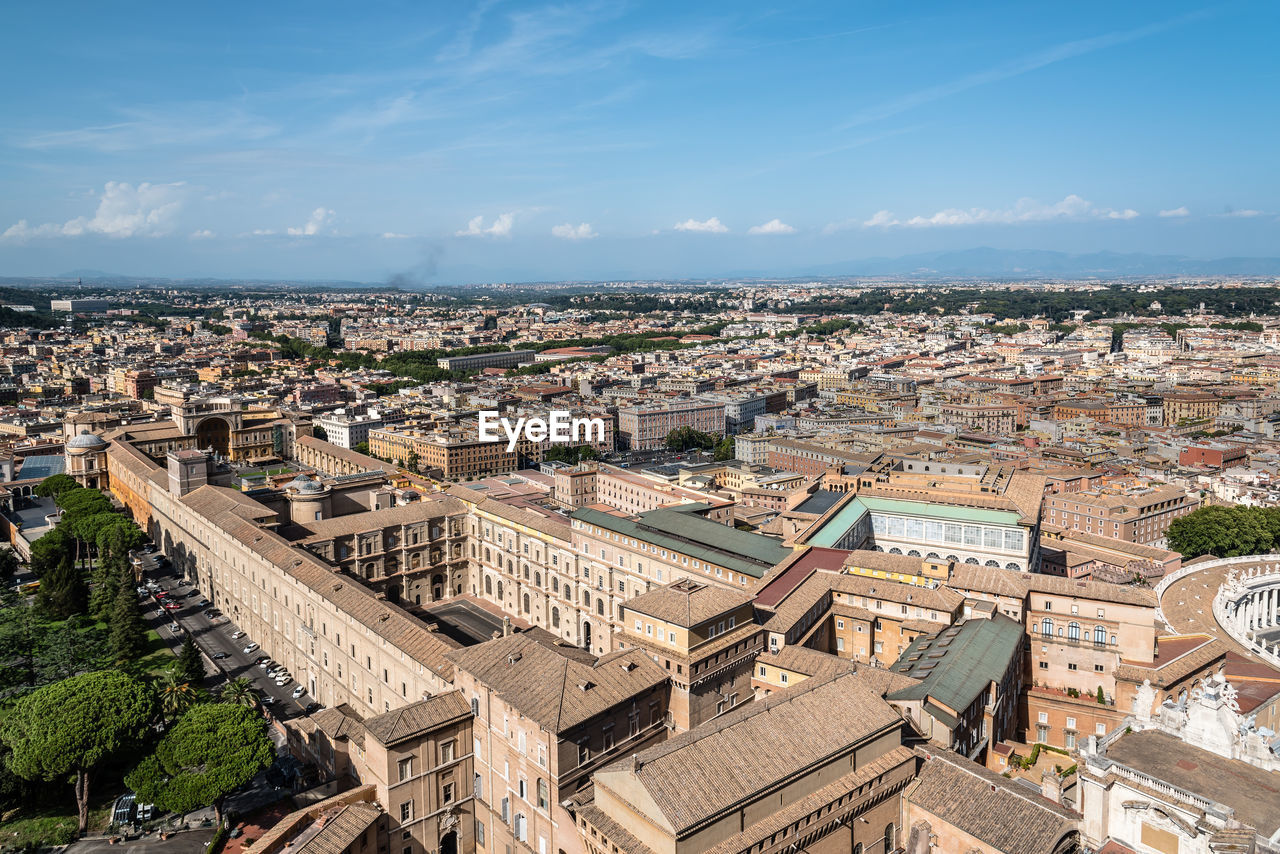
<point x="501" y="227"/>
<point x="147" y="210"/>
<point x="263" y="232"/>
<point x="1247" y="212"/>
<point x="569" y="231"/>
<point x="320" y="217"/>
<point x="773" y="226"/>
<point x="1176" y="212"/>
<point x="710" y="226"/>
<point x="391" y="235"/>
<point x="202" y="234"/>
<point x="1072" y="207"/>
<point x="882" y="218"/>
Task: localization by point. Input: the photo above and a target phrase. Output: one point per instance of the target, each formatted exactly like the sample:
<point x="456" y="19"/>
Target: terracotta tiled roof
<point x="417" y="718"/>
<point x="558" y="687"/>
<point x="687" y="603"/>
<point x="989" y="807"/>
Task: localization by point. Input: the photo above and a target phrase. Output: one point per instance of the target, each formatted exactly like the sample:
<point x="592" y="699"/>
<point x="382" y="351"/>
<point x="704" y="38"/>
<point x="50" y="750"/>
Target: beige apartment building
<point x="1134" y="516"/>
<point x="548" y="715"/>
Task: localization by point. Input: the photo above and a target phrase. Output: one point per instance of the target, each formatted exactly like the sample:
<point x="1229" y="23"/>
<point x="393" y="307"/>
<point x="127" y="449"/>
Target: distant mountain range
<point x="1033" y="263"/>
<point x="979" y="263"/>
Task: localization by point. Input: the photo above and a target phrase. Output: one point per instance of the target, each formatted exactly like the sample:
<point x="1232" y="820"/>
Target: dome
<point x="304" y="484"/>
<point x="86" y="441"/>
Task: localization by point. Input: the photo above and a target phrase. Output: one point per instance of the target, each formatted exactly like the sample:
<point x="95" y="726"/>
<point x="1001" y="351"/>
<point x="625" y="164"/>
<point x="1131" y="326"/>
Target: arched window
<point x="555" y="618"/>
<point x="1073" y="631"/>
<point x="890" y="836"/>
<point x="600" y="607"/>
<point x="487" y="557"/>
<point x="511" y="566"/>
<point x="537" y="579"/>
<point x="526" y="603"/>
<point x="488" y="586"/>
<point x="857" y="849"/>
<point x="586" y="598"/>
<point x="1099" y="635"/>
<point x="1013" y="566"/>
<point x="555" y="584"/>
<point x="994" y="564"/>
<point x="499" y="589"/>
<point x="972" y="561"/>
<point x="1046" y="627"/>
<point x="526" y="572"/>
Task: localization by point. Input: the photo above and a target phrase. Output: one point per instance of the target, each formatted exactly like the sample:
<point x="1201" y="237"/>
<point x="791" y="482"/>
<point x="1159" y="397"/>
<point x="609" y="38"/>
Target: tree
<point x="48" y="551"/>
<point x="724" y="450"/>
<point x="190" y="664"/>
<point x="411" y="462"/>
<point x="175" y="694"/>
<point x="239" y="692"/>
<point x="63" y="592"/>
<point x="1224" y="531"/>
<point x="76" y="726"/>
<point x="361" y="448"/>
<point x="74" y="647"/>
<point x="686" y="438"/>
<point x="319" y="432"/>
<point x="55" y="485"/>
<point x="9" y="563"/>
<point x="127" y="638"/>
<point x="210" y="752"/>
<point x="24" y="635"/>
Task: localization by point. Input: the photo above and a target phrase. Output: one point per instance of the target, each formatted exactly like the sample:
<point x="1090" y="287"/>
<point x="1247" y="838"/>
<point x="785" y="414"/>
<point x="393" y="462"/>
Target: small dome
<point x="86" y="441"/>
<point x="304" y="484"/>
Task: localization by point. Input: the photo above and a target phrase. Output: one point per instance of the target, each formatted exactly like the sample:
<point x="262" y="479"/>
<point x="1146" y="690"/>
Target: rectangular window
<point x="447" y="796"/>
<point x="405" y="767"/>
<point x="406" y="812"/>
<point x="544" y="794"/>
<point x="446" y="752"/>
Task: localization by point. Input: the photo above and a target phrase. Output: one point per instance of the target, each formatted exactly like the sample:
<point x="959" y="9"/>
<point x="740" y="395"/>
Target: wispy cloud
<point x="1014" y="68"/>
<point x="320" y="217"/>
<point x="568" y="231"/>
<point x="1073" y="207"/>
<point x="186" y="124"/>
<point x="709" y="226"/>
<point x="501" y="227"/>
<point x="394" y="235"/>
<point x="1244" y="213"/>
<point x="203" y="234"/>
<point x="1176" y="212"/>
<point x="773" y="226"/>
<point x="124" y="210"/>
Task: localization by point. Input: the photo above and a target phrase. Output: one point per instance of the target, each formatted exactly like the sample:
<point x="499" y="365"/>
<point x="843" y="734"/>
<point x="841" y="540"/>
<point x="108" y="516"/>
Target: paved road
<point x="189" y="842"/>
<point x="213" y="635"/>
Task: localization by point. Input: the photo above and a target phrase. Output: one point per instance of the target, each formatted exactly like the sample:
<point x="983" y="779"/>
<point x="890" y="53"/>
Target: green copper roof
<point x="696" y="536"/>
<point x="959" y="663"/>
<point x="838" y="525"/>
<point x="950" y="512"/>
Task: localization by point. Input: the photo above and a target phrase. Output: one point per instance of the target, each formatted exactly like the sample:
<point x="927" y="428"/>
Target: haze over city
<point x="501" y="141"/>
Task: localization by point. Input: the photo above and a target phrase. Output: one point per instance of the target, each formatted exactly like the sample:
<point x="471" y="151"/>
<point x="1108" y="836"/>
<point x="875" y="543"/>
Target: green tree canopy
<point x="189" y="666"/>
<point x="1225" y="531"/>
<point x="127" y="636"/>
<point x="63" y="592"/>
<point x="9" y="562"/>
<point x="76" y="726"/>
<point x="239" y="692"/>
<point x="724" y="449"/>
<point x="686" y="438"/>
<point x="55" y="485"/>
<point x="211" y="751"/>
<point x="48" y="551"/>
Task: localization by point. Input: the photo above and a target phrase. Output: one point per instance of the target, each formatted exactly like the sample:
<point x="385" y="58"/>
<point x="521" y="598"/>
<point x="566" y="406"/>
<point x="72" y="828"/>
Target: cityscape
<point x="482" y="510"/>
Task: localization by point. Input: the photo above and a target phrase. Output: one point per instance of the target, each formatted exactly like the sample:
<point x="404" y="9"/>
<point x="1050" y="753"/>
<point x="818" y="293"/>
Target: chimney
<point x="1051" y="786"/>
<point x="635" y="763"/>
<point x="506" y="626"/>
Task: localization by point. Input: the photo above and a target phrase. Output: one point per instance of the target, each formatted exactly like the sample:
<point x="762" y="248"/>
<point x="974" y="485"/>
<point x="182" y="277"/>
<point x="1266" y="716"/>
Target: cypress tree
<point x="128" y="635"/>
<point x="190" y="666"/>
<point x="63" y="591"/>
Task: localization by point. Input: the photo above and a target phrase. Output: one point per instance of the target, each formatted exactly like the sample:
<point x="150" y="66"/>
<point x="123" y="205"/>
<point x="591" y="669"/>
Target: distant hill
<point x="1030" y="263"/>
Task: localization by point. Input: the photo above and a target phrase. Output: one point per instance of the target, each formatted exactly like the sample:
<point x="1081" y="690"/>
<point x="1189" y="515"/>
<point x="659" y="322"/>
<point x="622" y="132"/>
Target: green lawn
<point x="44" y="826"/>
<point x="158" y="655"/>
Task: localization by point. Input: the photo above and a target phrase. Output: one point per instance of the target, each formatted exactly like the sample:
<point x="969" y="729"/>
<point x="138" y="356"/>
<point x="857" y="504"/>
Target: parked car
<point x="299" y="691"/>
<point x="267" y="700"/>
<point x="175" y="628"/>
<point x="171" y="606"/>
<point x="149" y="548"/>
<point x="213" y="612"/>
<point x="191" y="593"/>
<point x="237" y="635"/>
<point x="264" y="663"/>
<point x="311" y="708"/>
<point x="162" y="594"/>
<point x="250" y="648"/>
<point x="283" y="681"/>
<point x="221" y="655"/>
<point x="203" y="603"/>
<point x="142" y="591"/>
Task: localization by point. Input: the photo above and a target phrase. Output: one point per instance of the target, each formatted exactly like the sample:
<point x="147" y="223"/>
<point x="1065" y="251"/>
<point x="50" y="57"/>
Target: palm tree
<point x="239" y="692"/>
<point x="176" y="695"/>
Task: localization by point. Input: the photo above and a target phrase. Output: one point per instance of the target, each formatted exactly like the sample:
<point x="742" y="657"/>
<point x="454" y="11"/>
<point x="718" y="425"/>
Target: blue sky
<point x="521" y="141"/>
